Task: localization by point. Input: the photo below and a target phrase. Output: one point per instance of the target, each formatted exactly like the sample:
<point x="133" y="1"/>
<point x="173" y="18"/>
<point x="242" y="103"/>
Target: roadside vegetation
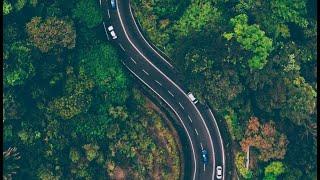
<point x="254" y="62"/>
<point x="71" y="111"/>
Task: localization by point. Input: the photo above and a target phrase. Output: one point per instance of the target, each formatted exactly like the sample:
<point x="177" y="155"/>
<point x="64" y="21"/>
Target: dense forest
<point x="254" y="62"/>
<point x="71" y="111"/>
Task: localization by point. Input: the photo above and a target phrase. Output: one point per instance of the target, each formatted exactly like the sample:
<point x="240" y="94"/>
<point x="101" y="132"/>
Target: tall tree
<point x="51" y="33"/>
<point x="88" y="12"/>
<point x="252" y="39"/>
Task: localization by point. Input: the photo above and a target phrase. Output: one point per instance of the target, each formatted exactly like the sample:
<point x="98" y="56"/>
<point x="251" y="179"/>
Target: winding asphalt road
<point x="153" y="70"/>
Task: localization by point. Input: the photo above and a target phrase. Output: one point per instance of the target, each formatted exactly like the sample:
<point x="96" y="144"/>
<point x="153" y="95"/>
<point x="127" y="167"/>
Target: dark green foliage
<point x="67" y="110"/>
<point x="87" y="11"/>
<point x="261" y="63"/>
<point x="101" y="63"/>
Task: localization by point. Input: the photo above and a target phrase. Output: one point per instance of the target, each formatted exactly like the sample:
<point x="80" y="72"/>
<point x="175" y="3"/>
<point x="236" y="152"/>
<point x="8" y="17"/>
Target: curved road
<point x="144" y="62"/>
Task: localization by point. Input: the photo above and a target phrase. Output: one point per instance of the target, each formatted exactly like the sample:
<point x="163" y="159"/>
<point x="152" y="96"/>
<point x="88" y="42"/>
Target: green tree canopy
<point x="273" y="170"/>
<point x="101" y="63"/>
<point x="18" y="68"/>
<point x="252" y="39"/>
<point x="52" y="33"/>
<point x="88" y="12"/>
<point x="199" y="16"/>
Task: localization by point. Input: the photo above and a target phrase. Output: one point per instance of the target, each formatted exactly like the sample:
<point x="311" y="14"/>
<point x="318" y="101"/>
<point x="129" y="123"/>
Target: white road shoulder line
<point x="181" y="105"/>
<point x="207" y="130"/>
<point x="145" y="39"/>
<point x="145" y="72"/>
<point x="190" y="118"/>
<point x="133" y="60"/>
<point x="196" y="132"/>
<point x="158" y="82"/>
<point x="192" y="146"/>
<point x="170" y="93"/>
<point x="122" y="47"/>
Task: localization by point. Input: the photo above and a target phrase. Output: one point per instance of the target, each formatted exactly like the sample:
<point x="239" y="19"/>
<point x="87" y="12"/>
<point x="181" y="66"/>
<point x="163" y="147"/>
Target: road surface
<point x="154" y="71"/>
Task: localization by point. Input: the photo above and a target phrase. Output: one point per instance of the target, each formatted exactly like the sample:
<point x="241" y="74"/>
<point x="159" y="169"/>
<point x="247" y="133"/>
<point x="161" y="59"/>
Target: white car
<point x="219" y="172"/>
<point x="192" y="98"/>
<point x="113" y="34"/>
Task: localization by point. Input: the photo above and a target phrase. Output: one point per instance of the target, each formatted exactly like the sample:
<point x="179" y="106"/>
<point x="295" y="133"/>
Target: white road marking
<point x="221" y="142"/>
<point x="108" y="13"/>
<point x="133" y="60"/>
<point x="158" y="82"/>
<point x="146" y="40"/>
<point x="181" y="105"/>
<point x="145" y="72"/>
<point x="192" y="146"/>
<point x="196" y="132"/>
<point x="122" y="47"/>
<point x="170" y="93"/>
<point x="201" y="146"/>
<point x="100" y="2"/>
<point x="204" y="167"/>
<point x="190" y="118"/>
<point x="105" y="30"/>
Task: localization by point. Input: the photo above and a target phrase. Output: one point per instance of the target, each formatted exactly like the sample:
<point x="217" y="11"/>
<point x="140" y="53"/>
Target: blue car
<point x="113" y="4"/>
<point x="204" y="154"/>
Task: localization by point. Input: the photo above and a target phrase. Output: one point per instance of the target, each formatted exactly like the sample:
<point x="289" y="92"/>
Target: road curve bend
<point x="143" y="62"/>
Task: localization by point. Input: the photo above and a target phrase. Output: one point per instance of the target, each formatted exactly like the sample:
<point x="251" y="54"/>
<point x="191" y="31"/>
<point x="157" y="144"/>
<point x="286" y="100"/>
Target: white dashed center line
<point x="196" y="132"/>
<point x="170" y="93"/>
<point x="190" y="118"/>
<point x="133" y="60"/>
<point x="122" y="47"/>
<point x="145" y="72"/>
<point x="108" y="14"/>
<point x="158" y="82"/>
<point x="181" y="105"/>
<point x="201" y="146"/>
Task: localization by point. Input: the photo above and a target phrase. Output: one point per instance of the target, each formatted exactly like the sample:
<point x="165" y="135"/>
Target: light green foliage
<point x="7" y="7"/>
<point x="52" y="33"/>
<point x="20" y="4"/>
<point x="199" y="16"/>
<point x="102" y="64"/>
<point x="240" y="161"/>
<point x="46" y="174"/>
<point x="71" y="105"/>
<point x="251" y="39"/>
<point x="91" y="151"/>
<point x="273" y="170"/>
<point x="74" y="155"/>
<point x="88" y="12"/>
<point x="289" y="11"/>
<point x="18" y="68"/>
